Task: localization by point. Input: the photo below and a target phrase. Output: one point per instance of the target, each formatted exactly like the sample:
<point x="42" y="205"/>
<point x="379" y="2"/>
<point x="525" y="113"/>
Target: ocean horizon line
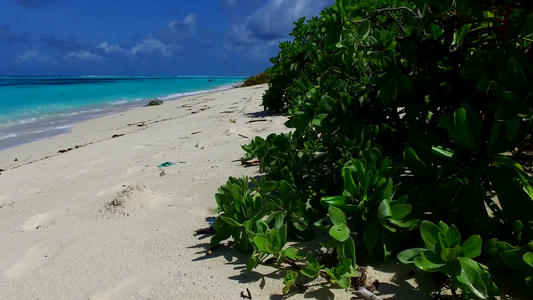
<point x="92" y="75"/>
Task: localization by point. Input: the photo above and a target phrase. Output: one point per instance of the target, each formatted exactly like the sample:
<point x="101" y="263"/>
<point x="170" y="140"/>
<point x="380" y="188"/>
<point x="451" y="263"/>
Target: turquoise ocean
<point x="34" y="108"/>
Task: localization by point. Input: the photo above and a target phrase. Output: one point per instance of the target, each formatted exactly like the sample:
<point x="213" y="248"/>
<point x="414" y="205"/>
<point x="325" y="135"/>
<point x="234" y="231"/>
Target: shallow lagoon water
<point x="33" y="108"/>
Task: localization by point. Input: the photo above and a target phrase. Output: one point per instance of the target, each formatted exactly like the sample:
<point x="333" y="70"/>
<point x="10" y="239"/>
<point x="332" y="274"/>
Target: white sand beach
<point x="89" y="215"/>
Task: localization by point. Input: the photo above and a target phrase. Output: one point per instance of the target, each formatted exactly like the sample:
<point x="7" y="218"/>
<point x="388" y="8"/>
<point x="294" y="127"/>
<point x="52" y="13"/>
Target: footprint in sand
<point x="129" y="288"/>
<point x="114" y="189"/>
<point x="135" y="169"/>
<point x="92" y="163"/>
<point x="42" y="220"/>
<point x="34" y="258"/>
<point x="160" y="154"/>
<point x="75" y="174"/>
<point x="136" y="148"/>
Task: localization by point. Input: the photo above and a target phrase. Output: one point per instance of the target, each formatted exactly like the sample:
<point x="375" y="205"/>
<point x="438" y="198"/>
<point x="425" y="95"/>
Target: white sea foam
<point x="63" y="127"/>
<point x="26" y="121"/>
<point x="7" y="136"/>
<point x="118" y="102"/>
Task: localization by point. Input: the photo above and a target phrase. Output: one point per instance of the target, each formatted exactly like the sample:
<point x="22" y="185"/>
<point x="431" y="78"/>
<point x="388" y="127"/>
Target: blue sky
<point x="145" y="37"/>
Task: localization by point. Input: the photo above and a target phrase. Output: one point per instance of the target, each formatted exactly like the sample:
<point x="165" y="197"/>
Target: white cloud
<point x="191" y="20"/>
<point x="178" y="31"/>
<point x="82" y="55"/>
<point x="33" y="55"/>
<point x="107" y="48"/>
<point x="274" y="21"/>
<point x="148" y="45"/>
<point x="151" y="45"/>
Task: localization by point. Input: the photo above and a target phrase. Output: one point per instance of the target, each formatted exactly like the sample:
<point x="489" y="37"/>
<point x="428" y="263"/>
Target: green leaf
<point x="516" y="71"/>
<point x="429" y="261"/>
<point x="388" y="192"/>
<point x="288" y="280"/>
<point x="387" y="244"/>
<point x="313" y="267"/>
<point x="337" y="216"/>
<point x="340" y="232"/>
<point x="384" y="209"/>
<point x="280" y="219"/>
<point x="342" y="12"/>
<point x="494" y="133"/>
<point x="467" y="131"/>
<point x="282" y="236"/>
<point x="430" y="234"/>
<point x="512" y="126"/>
<point x="349" y="183"/>
<point x="465" y="127"/>
<point x="317" y="121"/>
<point x="484" y="83"/>
<point x="337" y="201"/>
<point x="472" y="246"/>
<point x="414" y="163"/>
<point x="327" y="103"/>
<point x="230" y="221"/>
<point x="311" y="273"/>
<point x="515" y="259"/>
<point x="252" y="263"/>
<point x="372" y="234"/>
<point x="450" y="254"/>
<point x="364" y="29"/>
<point x="343" y="282"/>
<point x="510" y="97"/>
<point x="294" y="253"/>
<point x="400" y="211"/>
<point x="468" y="272"/>
<point x="442" y="152"/>
<point x="348" y="251"/>
<point x="268" y="186"/>
<point x="223" y="232"/>
<point x="468" y="73"/>
<point x="407" y="224"/>
<point x="528" y="258"/>
<point x="260" y="242"/>
<point x="527" y="30"/>
<point x="408" y="256"/>
<point x="453" y="237"/>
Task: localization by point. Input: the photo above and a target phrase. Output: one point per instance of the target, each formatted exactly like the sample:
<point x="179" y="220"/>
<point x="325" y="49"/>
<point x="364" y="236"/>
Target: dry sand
<point x="102" y="221"/>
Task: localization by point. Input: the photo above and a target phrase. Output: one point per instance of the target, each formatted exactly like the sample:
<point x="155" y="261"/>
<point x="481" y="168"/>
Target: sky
<point x="145" y="37"/>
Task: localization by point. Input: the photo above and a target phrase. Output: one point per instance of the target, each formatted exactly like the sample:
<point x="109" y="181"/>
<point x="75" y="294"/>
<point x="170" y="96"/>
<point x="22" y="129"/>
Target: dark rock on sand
<point x="154" y="102"/>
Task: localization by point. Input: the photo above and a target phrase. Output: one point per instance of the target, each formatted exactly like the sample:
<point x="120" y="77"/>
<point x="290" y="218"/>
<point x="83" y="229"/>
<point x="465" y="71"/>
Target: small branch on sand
<point x="243" y="136"/>
<point x="64" y="150"/>
<point x="139" y="124"/>
<point x="117" y="135"/>
<point x="366" y="294"/>
<point x="259" y="120"/>
<point x="249" y="296"/>
<point x="196" y="132"/>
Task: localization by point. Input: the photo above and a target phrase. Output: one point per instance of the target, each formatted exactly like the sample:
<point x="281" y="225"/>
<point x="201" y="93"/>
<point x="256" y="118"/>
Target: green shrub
<point x="407" y="111"/>
<point x="260" y="78"/>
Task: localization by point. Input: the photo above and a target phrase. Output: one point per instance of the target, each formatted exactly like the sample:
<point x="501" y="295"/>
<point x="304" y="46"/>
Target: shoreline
<point x="60" y="122"/>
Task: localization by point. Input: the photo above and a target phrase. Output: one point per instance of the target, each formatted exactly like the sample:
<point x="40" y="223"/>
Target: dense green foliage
<point x="260" y="78"/>
<point x="403" y="113"/>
